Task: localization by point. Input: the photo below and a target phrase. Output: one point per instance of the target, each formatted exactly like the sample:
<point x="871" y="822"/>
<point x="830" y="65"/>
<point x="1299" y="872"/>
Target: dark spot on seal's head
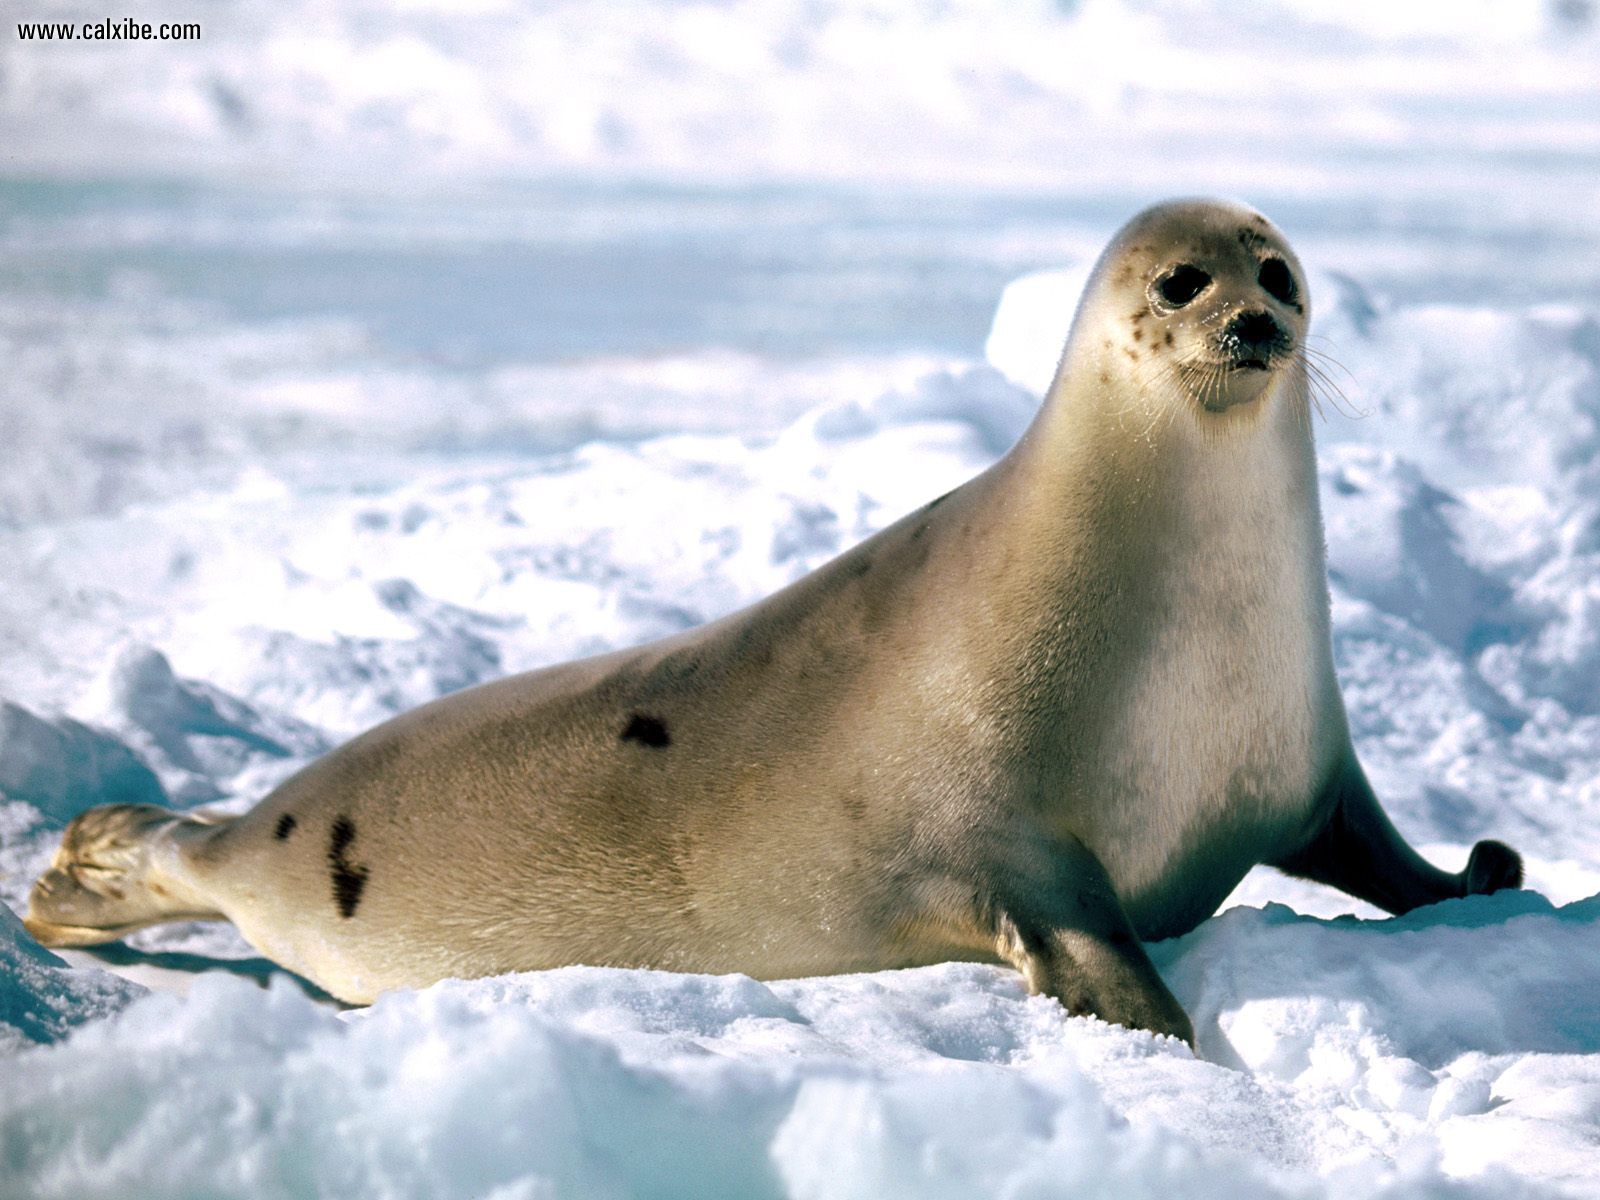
<point x="348" y="879"/>
<point x="1138" y="335"/>
<point x="1140" y="315"/>
<point x="1168" y="338"/>
<point x="284" y="827"/>
<point x="933" y="504"/>
<point x="647" y="731"/>
<point x="1251" y="240"/>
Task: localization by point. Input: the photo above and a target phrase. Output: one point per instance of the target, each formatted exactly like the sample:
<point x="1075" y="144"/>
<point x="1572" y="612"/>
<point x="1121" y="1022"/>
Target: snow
<point x="360" y="352"/>
<point x="1115" y="92"/>
<point x="1344" y="1059"/>
<point x="41" y="998"/>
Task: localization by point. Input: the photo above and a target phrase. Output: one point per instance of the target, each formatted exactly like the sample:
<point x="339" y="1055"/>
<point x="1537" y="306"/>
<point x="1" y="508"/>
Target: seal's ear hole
<point x="1277" y="280"/>
<point x="1183" y="284"/>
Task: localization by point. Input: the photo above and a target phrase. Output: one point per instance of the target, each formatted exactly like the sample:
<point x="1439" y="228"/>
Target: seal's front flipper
<point x="1360" y="852"/>
<point x="1071" y="939"/>
<point x="118" y="869"/>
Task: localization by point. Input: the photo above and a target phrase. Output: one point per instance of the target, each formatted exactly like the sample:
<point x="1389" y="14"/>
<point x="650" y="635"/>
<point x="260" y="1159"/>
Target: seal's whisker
<point x="1326" y="383"/>
<point x="1336" y="394"/>
<point x="1329" y="362"/>
<point x="1163" y="384"/>
<point x="1176" y="401"/>
<point x="1307" y="401"/>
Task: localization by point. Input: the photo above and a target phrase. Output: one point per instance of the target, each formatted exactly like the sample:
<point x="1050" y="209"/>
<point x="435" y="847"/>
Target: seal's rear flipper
<point x="118" y="869"/>
<point x="1359" y="851"/>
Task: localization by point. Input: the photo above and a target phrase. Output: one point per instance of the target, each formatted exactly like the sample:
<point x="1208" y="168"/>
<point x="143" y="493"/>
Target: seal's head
<point x="1203" y="301"/>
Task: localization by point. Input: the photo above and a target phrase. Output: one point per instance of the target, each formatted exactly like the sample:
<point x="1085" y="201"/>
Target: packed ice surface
<point x="1365" y="1062"/>
<point x="515" y="338"/>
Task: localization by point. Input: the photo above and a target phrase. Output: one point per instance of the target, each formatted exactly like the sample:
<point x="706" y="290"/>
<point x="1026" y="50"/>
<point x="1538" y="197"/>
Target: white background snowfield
<point x="361" y="352"/>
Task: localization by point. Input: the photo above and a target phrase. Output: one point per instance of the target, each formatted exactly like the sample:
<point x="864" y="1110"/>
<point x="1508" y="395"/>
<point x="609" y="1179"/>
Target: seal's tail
<point x="118" y="869"/>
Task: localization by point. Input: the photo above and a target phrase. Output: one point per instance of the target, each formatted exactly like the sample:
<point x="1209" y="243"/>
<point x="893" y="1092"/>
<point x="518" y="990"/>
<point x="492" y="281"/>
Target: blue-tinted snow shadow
<point x="256" y="969"/>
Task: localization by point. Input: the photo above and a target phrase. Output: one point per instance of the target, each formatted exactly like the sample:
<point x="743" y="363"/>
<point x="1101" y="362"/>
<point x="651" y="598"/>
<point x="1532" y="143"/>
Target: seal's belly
<point x="1213" y="763"/>
<point x="1190" y="818"/>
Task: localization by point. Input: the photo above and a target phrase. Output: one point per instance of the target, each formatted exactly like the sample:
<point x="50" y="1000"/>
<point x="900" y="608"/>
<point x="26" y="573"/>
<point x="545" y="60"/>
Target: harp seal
<point x="1053" y="714"/>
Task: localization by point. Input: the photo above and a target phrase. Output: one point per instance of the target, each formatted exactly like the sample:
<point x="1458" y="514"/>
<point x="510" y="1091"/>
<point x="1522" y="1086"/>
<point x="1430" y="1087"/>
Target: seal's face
<point x="1210" y="298"/>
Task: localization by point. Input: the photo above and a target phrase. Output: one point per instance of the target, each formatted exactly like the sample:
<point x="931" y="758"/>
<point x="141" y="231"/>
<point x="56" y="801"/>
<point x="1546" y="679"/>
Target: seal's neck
<point x="1143" y="493"/>
<point x="1107" y="552"/>
<point x="1144" y="446"/>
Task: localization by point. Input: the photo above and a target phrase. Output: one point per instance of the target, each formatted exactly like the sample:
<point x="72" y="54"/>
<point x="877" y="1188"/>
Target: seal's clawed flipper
<point x="117" y="870"/>
<point x="1492" y="867"/>
<point x="1360" y="852"/>
<point x="1071" y="939"/>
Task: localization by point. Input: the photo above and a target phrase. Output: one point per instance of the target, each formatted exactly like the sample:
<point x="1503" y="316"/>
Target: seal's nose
<point x="1254" y="330"/>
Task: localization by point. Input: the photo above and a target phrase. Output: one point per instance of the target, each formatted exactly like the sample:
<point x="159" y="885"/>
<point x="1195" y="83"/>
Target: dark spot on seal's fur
<point x="284" y="827"/>
<point x="1140" y="315"/>
<point x="1168" y="338"/>
<point x="1251" y="240"/>
<point x="1138" y="335"/>
<point x="1105" y="377"/>
<point x="933" y="504"/>
<point x="348" y="879"/>
<point x="647" y="731"/>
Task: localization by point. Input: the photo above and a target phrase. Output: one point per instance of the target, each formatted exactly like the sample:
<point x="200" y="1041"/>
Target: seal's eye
<point x="1183" y="285"/>
<point x="1277" y="280"/>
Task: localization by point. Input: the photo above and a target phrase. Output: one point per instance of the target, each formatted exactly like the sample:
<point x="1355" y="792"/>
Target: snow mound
<point x="41" y="998"/>
<point x="1383" y="1060"/>
<point x="1030" y="326"/>
<point x="63" y="766"/>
